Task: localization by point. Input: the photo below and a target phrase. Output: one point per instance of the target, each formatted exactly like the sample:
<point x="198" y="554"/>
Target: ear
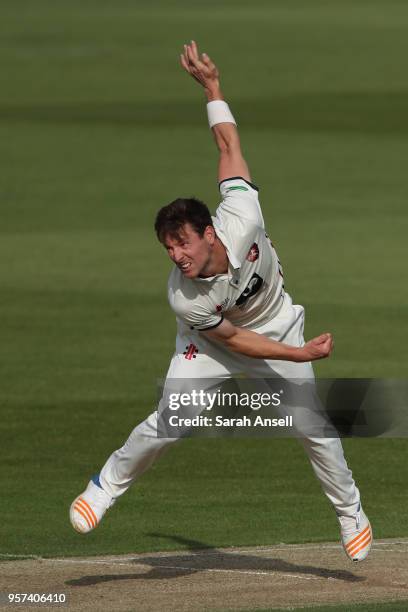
<point x="209" y="235"/>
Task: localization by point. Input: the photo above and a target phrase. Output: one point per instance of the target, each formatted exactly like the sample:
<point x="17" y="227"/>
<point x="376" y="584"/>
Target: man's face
<point x="191" y="252"/>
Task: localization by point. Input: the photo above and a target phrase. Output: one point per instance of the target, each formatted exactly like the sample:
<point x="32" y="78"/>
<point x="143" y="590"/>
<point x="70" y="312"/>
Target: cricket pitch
<point x="215" y="579"/>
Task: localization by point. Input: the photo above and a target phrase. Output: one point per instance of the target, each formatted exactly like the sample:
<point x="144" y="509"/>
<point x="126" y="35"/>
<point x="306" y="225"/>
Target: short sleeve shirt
<point x="251" y="292"/>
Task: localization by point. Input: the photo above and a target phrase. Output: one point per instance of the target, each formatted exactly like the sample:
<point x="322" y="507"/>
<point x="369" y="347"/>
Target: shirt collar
<point x="233" y="275"/>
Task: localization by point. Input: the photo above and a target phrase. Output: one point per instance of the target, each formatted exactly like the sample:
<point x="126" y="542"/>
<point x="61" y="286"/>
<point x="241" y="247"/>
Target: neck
<point x="218" y="262"/>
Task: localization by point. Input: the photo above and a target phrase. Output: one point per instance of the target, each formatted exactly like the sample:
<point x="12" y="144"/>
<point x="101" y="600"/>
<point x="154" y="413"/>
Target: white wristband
<point x="218" y="112"/>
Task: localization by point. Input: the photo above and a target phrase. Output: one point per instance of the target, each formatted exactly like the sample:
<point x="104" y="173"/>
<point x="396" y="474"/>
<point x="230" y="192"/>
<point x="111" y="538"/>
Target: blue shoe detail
<point x="95" y="480"/>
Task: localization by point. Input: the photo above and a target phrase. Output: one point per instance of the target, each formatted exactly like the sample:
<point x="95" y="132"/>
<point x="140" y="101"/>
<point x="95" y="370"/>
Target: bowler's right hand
<point x="200" y="67"/>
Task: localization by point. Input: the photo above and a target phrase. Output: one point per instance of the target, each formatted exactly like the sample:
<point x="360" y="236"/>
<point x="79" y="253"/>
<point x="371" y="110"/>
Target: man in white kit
<point x="233" y="317"/>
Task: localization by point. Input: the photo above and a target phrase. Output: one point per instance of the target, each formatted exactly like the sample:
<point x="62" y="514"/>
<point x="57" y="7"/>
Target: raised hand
<point x="200" y="67"/>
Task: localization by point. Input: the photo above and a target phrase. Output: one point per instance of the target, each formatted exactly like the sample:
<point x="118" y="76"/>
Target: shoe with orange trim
<point x="88" y="508"/>
<point x="356" y="535"/>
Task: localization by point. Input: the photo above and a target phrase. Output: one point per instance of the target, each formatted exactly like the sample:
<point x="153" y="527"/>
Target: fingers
<point x="194" y="50"/>
<point x="327" y="345"/>
<point x="320" y="347"/>
<point x="202" y="68"/>
<point x="325" y="337"/>
<point x="207" y="61"/>
<point x="191" y="56"/>
<point x="186" y="59"/>
<point x="184" y="62"/>
<point x="322" y="338"/>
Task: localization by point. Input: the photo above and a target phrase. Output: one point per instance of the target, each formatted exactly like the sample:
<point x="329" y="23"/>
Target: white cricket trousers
<point x="212" y="361"/>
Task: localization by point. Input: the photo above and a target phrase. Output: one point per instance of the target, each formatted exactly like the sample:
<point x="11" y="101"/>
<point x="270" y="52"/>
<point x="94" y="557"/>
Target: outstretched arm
<point x="232" y="163"/>
<point x="251" y="344"/>
<point x="202" y="69"/>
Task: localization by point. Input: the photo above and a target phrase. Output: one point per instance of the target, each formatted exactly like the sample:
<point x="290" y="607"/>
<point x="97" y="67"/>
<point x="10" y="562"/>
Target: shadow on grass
<point x="203" y="557"/>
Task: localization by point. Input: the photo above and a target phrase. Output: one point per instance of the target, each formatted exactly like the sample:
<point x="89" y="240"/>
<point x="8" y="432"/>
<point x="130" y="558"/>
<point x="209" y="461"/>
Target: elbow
<point x="234" y="345"/>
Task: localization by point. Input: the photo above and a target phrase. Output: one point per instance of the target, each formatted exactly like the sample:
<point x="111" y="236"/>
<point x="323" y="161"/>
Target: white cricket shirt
<point x="252" y="291"/>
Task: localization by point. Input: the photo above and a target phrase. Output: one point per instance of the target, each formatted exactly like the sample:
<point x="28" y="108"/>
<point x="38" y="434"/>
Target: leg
<point x="328" y="462"/>
<point x="144" y="446"/>
<point x="195" y="359"/>
<point x="325" y="453"/>
<point x="129" y="462"/>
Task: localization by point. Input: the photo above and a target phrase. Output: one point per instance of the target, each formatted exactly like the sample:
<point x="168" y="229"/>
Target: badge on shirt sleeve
<point x="253" y="253"/>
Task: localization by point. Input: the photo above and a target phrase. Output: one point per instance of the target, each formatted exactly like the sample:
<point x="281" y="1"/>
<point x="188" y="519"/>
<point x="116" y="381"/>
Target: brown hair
<point x="171" y="218"/>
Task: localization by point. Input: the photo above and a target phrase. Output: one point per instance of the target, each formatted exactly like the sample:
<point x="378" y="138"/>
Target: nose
<point x="177" y="255"/>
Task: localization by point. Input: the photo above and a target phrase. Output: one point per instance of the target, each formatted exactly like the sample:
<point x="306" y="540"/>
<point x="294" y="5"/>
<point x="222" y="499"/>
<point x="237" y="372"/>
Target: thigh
<point x="198" y="369"/>
<point x="287" y="327"/>
<point x="197" y="357"/>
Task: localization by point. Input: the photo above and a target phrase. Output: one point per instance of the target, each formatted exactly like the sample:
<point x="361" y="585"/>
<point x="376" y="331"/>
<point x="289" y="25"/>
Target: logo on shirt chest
<point x="253" y="253"/>
<point x="251" y="289"/>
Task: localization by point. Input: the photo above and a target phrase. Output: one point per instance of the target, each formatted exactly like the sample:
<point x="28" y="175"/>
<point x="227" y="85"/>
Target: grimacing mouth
<point x="184" y="266"/>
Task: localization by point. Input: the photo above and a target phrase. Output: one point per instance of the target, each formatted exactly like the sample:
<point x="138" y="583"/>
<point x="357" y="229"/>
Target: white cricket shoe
<point x="356" y="535"/>
<point x="88" y="508"/>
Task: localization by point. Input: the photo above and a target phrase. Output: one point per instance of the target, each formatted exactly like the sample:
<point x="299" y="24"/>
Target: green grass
<point x="98" y="128"/>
